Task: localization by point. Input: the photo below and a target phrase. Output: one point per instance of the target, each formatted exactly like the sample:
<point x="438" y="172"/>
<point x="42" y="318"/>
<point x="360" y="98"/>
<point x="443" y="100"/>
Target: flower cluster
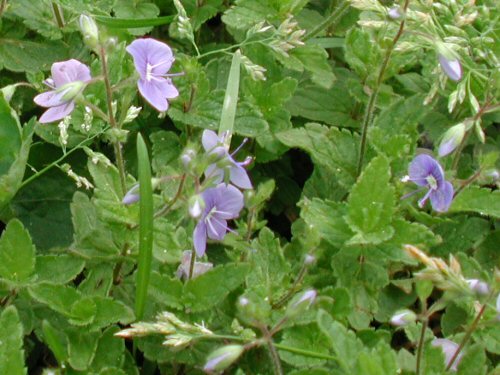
<point x="224" y="201"/>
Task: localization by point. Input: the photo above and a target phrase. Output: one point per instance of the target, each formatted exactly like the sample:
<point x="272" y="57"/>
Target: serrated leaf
<point x="58" y="269"/>
<point x="268" y="266"/>
<point x="166" y="149"/>
<point x="332" y="148"/>
<point x="475" y="199"/>
<point x="136" y="10"/>
<point x="56" y="341"/>
<point x="82" y="347"/>
<point x="83" y="312"/>
<point x="59" y="298"/>
<point x="17" y="253"/>
<point x="315" y="60"/>
<point x="361" y="52"/>
<point x="109" y="311"/>
<point x="37" y="16"/>
<point x="246" y="13"/>
<point x="166" y="290"/>
<point x="210" y="289"/>
<point x="371" y="204"/>
<point x="307" y="337"/>
<point x="11" y="339"/>
<point x="344" y="343"/>
<point x="328" y="219"/>
<point x="110" y="351"/>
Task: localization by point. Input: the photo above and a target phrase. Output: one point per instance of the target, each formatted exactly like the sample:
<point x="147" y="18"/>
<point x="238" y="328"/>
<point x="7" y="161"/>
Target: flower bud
<point x="309" y="259"/>
<point x="449" y="348"/>
<point x="196" y="206"/>
<point x="478" y="286"/>
<point x="301" y="303"/>
<point x="89" y="30"/>
<point x="479" y="132"/>
<point x="395" y="13"/>
<point x="450" y="64"/>
<point x="222" y="358"/>
<point x="498" y="307"/>
<point x="451" y="139"/>
<point x="8" y="91"/>
<point x="132" y="195"/>
<point x="403" y="317"/>
<point x="187" y="157"/>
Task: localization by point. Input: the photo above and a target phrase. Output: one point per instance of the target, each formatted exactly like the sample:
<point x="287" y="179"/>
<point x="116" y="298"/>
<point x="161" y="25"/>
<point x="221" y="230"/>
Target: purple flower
<point x="226" y="164"/>
<point x="449" y="348"/>
<point x="451" y="139"/>
<point x="152" y="60"/>
<point x="222" y="203"/>
<point x="425" y="171"/>
<point x="68" y="80"/>
<point x="451" y="67"/>
<point x="132" y="195"/>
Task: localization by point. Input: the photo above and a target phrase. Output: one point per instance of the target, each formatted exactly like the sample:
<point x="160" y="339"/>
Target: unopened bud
<point x="498" y="307"/>
<point x="403" y="317"/>
<point x="301" y="303"/>
<point x="395" y="13"/>
<point x="451" y="139"/>
<point x="132" y="195"/>
<point x="478" y="286"/>
<point x="187" y="157"/>
<point x="479" y="132"/>
<point x="449" y="62"/>
<point x="8" y="91"/>
<point x="309" y="259"/>
<point x="196" y="206"/>
<point x="89" y="30"/>
<point x="132" y="113"/>
<point x="222" y="358"/>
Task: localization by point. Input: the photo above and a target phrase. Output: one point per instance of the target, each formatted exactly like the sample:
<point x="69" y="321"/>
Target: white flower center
<point x="149" y="72"/>
<point x="431" y="181"/>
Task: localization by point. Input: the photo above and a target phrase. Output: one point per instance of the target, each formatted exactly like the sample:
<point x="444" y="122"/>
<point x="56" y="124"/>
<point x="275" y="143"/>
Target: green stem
<point x="275" y="358"/>
<point x="370" y="108"/>
<point x="421" y="346"/>
<point x="56" y="162"/>
<point x="3" y="6"/>
<point x="58" y="14"/>
<point x="331" y="20"/>
<point x="458" y="153"/>
<point x="191" y="265"/>
<point x="305" y="353"/>
<point x="109" y="99"/>
<point x="468" y="334"/>
<point x="292" y="289"/>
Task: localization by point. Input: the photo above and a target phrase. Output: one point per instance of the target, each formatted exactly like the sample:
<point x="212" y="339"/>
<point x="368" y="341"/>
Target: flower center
<point x="149" y="72"/>
<point x="431" y="181"/>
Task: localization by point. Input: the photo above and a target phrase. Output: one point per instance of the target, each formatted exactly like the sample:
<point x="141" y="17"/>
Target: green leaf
<point x="59" y="298"/>
<point x="145" y="228"/>
<point x="58" y="269"/>
<point x="315" y="60"/>
<point x="17" y="253"/>
<point x="361" y="52"/>
<point x="371" y="204"/>
<point x="166" y="290"/>
<point x="327" y="218"/>
<point x="380" y="361"/>
<point x="331" y="106"/>
<point x="246" y="13"/>
<point x="307" y="337"/>
<point x="473" y="361"/>
<point x="480" y="200"/>
<point x="211" y="288"/>
<point x="110" y="350"/>
<point x="82" y="347"/>
<point x="344" y="343"/>
<point x="11" y="339"/>
<point x="166" y="149"/>
<point x="136" y="10"/>
<point x="109" y="311"/>
<point x="38" y="16"/>
<point x="28" y="56"/>
<point x="56" y="341"/>
<point x="331" y="148"/>
<point x="10" y="136"/>
<point x="269" y="270"/>
<point x="83" y="312"/>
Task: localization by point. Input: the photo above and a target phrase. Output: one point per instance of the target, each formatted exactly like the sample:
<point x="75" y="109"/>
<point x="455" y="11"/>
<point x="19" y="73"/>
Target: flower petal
<point x="216" y="227"/>
<point x="230" y="201"/>
<point x="200" y="238"/>
<point x="239" y="177"/>
<point x="153" y="52"/>
<point x="154" y="93"/>
<point x="210" y="140"/>
<point x="214" y="173"/>
<point x="449" y="348"/>
<point x="451" y="67"/>
<point x="57" y="113"/>
<point x="69" y="71"/>
<point x="423" y="166"/>
<point x="49" y="99"/>
<point x="441" y="198"/>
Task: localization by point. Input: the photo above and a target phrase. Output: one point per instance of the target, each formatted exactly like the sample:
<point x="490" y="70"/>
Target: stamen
<point x="245" y="140"/>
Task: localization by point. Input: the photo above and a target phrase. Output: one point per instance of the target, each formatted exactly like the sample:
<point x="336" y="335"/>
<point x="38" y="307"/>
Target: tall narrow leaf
<point x="231" y="97"/>
<point x="145" y="227"/>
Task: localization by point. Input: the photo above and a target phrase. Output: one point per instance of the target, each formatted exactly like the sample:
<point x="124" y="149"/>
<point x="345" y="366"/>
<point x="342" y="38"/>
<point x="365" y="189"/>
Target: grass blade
<point x="133" y="23"/>
<point x="231" y="97"/>
<point x="145" y="228"/>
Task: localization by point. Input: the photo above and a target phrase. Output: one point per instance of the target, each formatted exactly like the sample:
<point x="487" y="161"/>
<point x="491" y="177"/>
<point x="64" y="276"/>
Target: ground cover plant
<point x="249" y="187"/>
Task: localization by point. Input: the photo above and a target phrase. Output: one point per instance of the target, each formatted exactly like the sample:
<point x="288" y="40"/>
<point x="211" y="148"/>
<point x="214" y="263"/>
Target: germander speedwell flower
<point x="425" y="171"/>
<point x="68" y="80"/>
<point x="226" y="164"/>
<point x="152" y="60"/>
<point x="222" y="203"/>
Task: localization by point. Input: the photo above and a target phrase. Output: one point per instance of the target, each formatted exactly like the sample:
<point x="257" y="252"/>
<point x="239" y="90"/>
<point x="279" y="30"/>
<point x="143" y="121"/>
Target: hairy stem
<point x="191" y="265"/>
<point x="58" y="14"/>
<point x="275" y="358"/>
<point x="109" y="99"/>
<point x="370" y="108"/>
<point x="420" y="348"/>
<point x="292" y="289"/>
<point x="331" y="20"/>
